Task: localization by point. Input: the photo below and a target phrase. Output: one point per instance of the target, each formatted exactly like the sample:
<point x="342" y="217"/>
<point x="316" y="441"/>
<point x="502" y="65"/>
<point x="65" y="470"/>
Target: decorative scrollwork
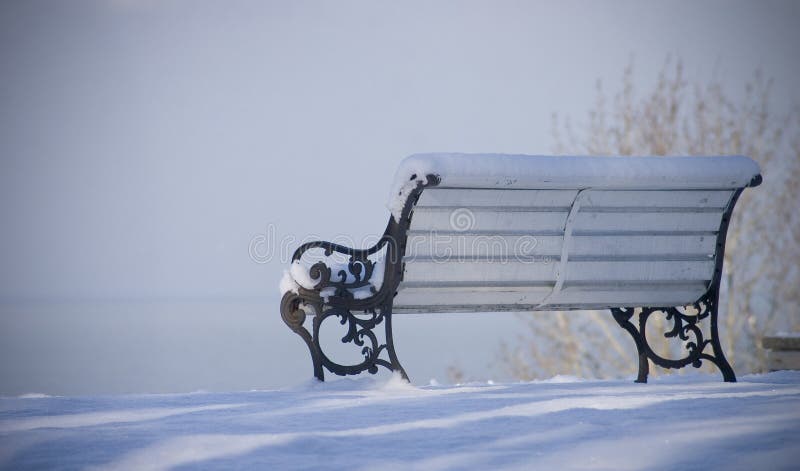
<point x="686" y="327"/>
<point x="360" y="269"/>
<point x="337" y="280"/>
<point x="360" y="332"/>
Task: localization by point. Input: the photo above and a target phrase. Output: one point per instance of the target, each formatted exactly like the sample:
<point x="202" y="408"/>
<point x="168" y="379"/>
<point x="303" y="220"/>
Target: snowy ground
<point x="678" y="422"/>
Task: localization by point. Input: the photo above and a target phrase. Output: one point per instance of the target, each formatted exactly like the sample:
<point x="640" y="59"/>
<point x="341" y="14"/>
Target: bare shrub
<point x="761" y="284"/>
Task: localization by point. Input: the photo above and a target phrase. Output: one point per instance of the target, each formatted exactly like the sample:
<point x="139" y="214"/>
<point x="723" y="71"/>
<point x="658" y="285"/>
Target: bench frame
<point x="364" y="316"/>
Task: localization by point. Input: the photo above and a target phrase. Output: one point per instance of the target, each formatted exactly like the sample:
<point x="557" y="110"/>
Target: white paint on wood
<point x="564" y="258"/>
<point x="585" y="248"/>
<point x="433" y="244"/>
<point x="478" y="271"/>
<point x="464" y="308"/>
<point x="499" y="295"/>
<point x="656" y="222"/>
<point x="657" y="296"/>
<point x="783" y="360"/>
<point x="456" y="197"/>
<point x="476" y="220"/>
<point x="642" y="245"/>
<point x="639" y="271"/>
<point x="657" y="198"/>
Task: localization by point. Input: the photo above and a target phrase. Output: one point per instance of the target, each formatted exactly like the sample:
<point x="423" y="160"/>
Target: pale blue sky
<point x="144" y="143"/>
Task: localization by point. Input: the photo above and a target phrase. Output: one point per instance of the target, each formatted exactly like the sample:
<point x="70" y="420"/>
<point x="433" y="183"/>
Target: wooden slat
<point x="426" y="244"/>
<point x="656" y="199"/>
<point x="642" y="245"/>
<point x="655" y="222"/>
<point x="639" y="271"/>
<point x="626" y="248"/>
<point x="656" y="295"/>
<point x="453" y="197"/>
<point x="478" y="271"/>
<point x="498" y="295"/>
<point x="466" y="308"/>
<point x="477" y="220"/>
<point x="783" y="360"/>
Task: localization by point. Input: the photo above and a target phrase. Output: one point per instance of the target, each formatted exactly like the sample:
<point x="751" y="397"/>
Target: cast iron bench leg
<point x="360" y="333"/>
<point x="686" y="328"/>
<point x="396" y="366"/>
<point x="623" y="316"/>
<point x="294" y="317"/>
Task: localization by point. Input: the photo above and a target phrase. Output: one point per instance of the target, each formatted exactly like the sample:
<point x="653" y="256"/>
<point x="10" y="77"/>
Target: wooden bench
<point x="489" y="233"/>
<point x="783" y="351"/>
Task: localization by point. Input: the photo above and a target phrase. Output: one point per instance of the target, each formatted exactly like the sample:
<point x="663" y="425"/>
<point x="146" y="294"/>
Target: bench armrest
<point x="330" y="247"/>
<point x="360" y="277"/>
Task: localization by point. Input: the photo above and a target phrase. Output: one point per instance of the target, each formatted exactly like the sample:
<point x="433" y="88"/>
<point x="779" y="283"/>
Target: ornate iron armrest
<point x="342" y="298"/>
<point x="339" y="282"/>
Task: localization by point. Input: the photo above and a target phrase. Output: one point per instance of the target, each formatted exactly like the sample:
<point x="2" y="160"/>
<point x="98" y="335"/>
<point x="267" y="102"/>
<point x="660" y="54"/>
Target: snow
<point x="531" y="171"/>
<point x="287" y="283"/>
<point x="677" y="422"/>
<point x="299" y="274"/>
<point x="785" y="334"/>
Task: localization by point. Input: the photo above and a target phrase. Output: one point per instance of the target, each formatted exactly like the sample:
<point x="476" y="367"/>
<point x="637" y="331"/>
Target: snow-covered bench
<point x="488" y="233"/>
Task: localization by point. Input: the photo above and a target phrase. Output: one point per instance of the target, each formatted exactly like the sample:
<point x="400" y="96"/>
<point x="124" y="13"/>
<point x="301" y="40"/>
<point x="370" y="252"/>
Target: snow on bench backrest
<point x="521" y="232"/>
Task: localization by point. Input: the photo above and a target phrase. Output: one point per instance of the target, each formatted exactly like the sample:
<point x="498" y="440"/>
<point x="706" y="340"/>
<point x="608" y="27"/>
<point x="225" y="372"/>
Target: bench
<point x="783" y="351"/>
<point x="491" y="233"/>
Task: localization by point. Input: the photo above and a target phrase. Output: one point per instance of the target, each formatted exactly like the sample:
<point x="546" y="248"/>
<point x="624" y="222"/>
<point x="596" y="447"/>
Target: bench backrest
<point x="495" y="249"/>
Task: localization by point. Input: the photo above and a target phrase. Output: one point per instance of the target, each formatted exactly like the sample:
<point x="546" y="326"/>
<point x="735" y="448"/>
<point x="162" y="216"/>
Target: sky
<point x="147" y="147"/>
